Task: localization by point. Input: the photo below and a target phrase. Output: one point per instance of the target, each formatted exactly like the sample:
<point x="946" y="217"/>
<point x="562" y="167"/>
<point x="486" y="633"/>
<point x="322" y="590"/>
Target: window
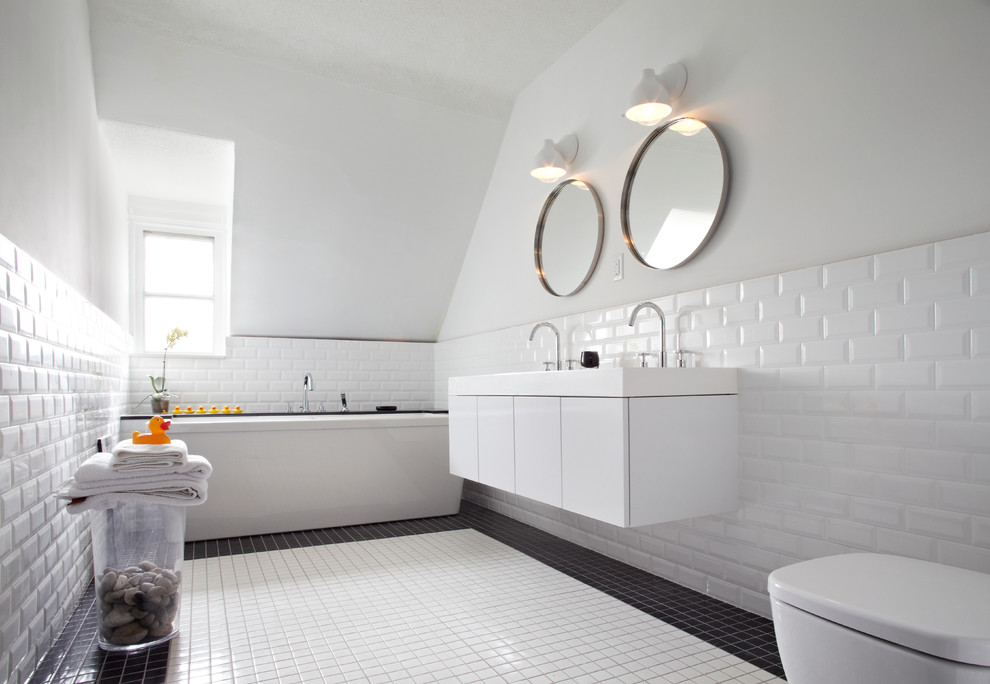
<point x="180" y="278"/>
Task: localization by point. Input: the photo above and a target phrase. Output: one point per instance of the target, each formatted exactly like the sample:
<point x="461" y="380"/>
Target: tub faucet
<point x="556" y="337"/>
<point x="343" y="403"/>
<point x="663" y="326"/>
<point x="307" y="388"/>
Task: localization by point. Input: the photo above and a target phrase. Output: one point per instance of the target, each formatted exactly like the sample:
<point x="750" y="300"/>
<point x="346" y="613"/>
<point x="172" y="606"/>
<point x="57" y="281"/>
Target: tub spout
<point x="343" y="403"/>
<point x="307" y="388"/>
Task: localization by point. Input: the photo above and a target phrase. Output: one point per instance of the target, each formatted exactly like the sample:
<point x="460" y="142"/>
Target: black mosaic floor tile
<point x="76" y="657"/>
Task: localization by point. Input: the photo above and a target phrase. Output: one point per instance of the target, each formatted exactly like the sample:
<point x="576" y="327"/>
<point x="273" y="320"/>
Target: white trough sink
<point x="601" y="382"/>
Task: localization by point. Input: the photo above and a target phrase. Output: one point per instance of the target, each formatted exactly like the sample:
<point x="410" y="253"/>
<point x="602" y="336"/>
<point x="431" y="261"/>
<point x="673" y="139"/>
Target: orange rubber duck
<point x="157" y="425"/>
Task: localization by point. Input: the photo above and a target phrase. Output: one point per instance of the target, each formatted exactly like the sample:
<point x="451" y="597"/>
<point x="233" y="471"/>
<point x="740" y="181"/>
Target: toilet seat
<point x="928" y="607"/>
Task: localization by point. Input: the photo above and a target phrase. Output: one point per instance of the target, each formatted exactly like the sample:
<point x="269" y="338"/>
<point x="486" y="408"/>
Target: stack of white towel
<point x="140" y="473"/>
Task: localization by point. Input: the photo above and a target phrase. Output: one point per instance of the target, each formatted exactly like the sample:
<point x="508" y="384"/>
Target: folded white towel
<point x="170" y="487"/>
<point x="127" y="455"/>
<point x="99" y="467"/>
<point x="101" y="501"/>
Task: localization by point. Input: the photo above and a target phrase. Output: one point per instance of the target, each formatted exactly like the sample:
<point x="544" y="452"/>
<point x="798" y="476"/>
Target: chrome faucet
<point x="307" y="388"/>
<point x="663" y="328"/>
<point x="343" y="403"/>
<point x="556" y="337"/>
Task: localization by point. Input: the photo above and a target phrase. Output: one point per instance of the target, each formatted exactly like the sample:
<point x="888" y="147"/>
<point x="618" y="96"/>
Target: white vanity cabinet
<point x="595" y="455"/>
<point x="538" y="453"/>
<point x="644" y="460"/>
<point x="496" y="445"/>
<point x="463" y="429"/>
<point x="626" y="460"/>
<point x="683" y="457"/>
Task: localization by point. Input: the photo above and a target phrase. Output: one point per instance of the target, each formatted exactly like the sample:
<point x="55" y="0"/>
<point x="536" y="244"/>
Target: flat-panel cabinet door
<point x="537" y="425"/>
<point x="683" y="457"/>
<point x="594" y="463"/>
<point x="496" y="446"/>
<point x="462" y="420"/>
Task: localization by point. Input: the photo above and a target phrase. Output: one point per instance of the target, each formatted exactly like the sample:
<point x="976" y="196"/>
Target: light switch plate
<point x="617" y="270"/>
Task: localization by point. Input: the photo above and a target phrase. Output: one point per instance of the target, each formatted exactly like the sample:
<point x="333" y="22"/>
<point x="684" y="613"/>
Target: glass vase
<point x="137" y="565"/>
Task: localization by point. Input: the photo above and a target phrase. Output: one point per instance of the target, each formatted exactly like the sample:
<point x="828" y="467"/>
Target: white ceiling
<point x="470" y="55"/>
<point x="169" y="165"/>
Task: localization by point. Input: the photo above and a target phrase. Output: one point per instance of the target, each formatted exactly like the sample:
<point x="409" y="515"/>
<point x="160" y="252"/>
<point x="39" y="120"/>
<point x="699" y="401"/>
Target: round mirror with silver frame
<point x="674" y="193"/>
<point x="569" y="237"/>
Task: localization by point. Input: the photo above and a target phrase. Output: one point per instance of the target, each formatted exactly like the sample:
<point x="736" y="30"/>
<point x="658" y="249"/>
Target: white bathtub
<point x="281" y="473"/>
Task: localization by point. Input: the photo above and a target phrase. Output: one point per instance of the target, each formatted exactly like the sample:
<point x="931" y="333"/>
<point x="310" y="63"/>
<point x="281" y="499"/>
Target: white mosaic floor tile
<point x="452" y="606"/>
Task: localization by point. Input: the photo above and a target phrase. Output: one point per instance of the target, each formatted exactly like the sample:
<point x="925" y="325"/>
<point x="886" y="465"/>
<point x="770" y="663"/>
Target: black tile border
<point x="235" y="546"/>
<point x="76" y="657"/>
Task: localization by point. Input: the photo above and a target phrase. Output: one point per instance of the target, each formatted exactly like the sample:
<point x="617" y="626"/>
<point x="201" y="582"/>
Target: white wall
<point x="352" y="208"/>
<point x="58" y="194"/>
<point x="63" y="364"/>
<point x="851" y="128"/>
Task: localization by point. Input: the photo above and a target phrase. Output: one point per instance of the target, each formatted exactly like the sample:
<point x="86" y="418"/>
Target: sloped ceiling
<point x="365" y="131"/>
<point x="471" y="55"/>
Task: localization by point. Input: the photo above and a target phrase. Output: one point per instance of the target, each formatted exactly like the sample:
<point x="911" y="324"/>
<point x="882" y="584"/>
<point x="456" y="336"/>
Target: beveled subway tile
<point x="937" y="286"/>
<point x="921" y="316"/>
<point x="824" y="302"/>
<point x="964" y="250"/>
<point x="723" y="294"/>
<point x="760" y="333"/>
<point x="901" y="261"/>
<point x="805" y="279"/>
<point x="757" y="288"/>
<point x="849" y="272"/>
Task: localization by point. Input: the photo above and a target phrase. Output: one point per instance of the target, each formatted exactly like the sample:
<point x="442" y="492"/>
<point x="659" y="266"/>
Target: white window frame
<point x="181" y="220"/>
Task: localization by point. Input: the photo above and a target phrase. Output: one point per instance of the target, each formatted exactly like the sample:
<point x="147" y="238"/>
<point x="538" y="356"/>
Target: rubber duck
<point x="237" y="409"/>
<point x="157" y="427"/>
<point x="190" y="409"/>
<point x="201" y="409"/>
<point x="226" y="409"/>
<point x="214" y="409"/>
<point x="177" y="410"/>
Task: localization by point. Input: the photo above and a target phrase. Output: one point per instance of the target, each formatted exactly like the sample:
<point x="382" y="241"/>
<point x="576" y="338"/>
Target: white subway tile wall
<point x="63" y="377"/>
<point x="864" y="414"/>
<point x="265" y="374"/>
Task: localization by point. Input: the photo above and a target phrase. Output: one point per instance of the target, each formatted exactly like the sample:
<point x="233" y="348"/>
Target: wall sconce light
<point x="652" y="97"/>
<point x="552" y="161"/>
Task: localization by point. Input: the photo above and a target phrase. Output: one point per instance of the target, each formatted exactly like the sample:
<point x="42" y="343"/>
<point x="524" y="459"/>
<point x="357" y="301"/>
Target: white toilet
<point x="876" y="619"/>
